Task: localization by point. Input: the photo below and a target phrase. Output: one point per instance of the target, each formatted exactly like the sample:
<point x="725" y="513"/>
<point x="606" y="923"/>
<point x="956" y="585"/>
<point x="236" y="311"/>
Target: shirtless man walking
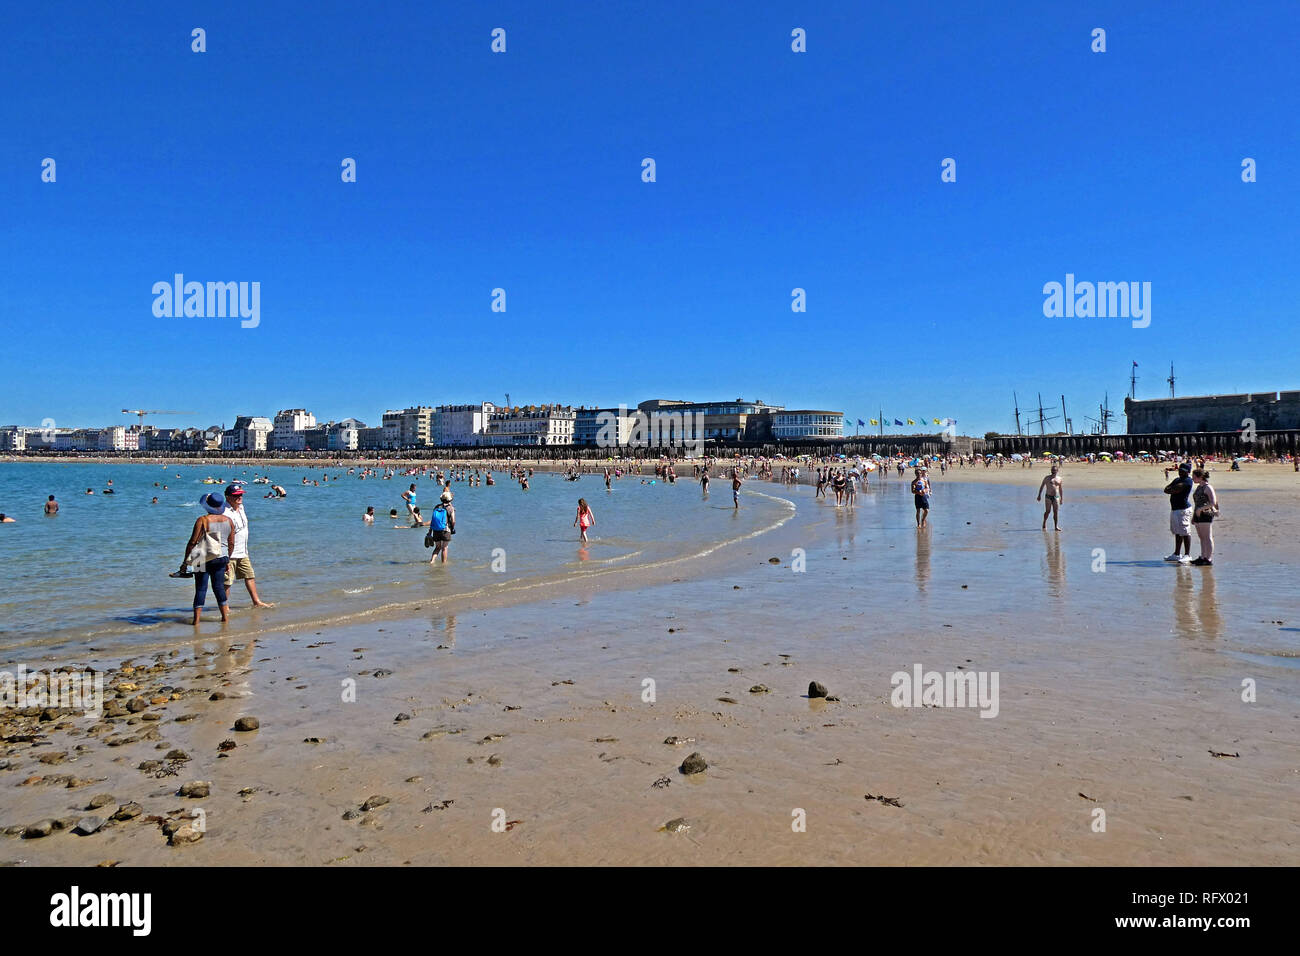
<point x="1051" y="484"/>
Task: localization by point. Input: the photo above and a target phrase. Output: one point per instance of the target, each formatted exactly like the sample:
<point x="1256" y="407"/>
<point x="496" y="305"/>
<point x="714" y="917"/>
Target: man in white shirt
<point x="240" y="567"/>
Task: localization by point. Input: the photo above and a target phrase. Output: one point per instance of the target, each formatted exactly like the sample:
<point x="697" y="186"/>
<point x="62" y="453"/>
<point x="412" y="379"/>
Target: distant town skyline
<point x="376" y="205"/>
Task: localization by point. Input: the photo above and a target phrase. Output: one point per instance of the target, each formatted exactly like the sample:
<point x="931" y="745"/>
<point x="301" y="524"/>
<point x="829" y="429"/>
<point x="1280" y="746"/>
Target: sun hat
<point x="446" y="496"/>
<point x="234" y="491"/>
<point x="214" y="503"/>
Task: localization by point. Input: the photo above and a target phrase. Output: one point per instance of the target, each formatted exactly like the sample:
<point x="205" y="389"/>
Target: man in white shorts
<point x="1180" y="515"/>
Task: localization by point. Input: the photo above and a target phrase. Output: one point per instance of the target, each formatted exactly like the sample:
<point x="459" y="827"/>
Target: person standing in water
<point x="704" y="480"/>
<point x="208" y="551"/>
<point x="409" y="497"/>
<point x="736" y="482"/>
<point x="584" y="519"/>
<point x="52" y="507"/>
<point x="1205" y="508"/>
<point x="239" y="565"/>
<point x="442" y="525"/>
<point x="1052" y="485"/>
<point x="921" y="497"/>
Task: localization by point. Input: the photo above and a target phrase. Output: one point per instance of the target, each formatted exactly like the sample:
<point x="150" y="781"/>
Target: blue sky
<point x="522" y="170"/>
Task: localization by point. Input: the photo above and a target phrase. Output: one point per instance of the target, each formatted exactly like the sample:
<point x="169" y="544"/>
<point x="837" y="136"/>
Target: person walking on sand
<point x="1205" y="508"/>
<point x="1180" y="515"/>
<point x="584" y="519"/>
<point x="239" y="566"/>
<point x="442" y="525"/>
<point x="208" y="553"/>
<point x="1051" y="484"/>
<point x="921" y="497"/>
<point x="736" y="482"/>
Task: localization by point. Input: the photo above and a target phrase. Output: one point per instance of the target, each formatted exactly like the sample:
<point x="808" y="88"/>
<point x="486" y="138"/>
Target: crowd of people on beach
<point x="216" y="552"/>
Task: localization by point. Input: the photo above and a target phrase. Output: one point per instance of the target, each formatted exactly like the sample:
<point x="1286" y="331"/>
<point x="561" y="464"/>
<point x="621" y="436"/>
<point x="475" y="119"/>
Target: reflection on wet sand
<point x="922" y="558"/>
<point x="1054" y="567"/>
<point x="1196" y="609"/>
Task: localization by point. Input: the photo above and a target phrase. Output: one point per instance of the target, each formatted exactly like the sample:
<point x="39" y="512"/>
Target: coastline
<point x="1121" y="717"/>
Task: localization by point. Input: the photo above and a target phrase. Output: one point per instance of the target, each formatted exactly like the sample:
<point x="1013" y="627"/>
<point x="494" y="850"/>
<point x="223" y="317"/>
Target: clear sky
<point x="522" y="170"/>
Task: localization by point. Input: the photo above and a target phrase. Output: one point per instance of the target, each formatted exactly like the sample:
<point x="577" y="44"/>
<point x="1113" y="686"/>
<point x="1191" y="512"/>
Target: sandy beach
<point x="1120" y="691"/>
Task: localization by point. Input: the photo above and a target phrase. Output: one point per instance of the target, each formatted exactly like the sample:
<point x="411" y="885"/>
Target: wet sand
<point x="1115" y="689"/>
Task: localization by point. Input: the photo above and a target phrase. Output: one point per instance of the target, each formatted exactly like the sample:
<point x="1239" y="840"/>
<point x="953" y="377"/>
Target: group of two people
<point x="217" y="552"/>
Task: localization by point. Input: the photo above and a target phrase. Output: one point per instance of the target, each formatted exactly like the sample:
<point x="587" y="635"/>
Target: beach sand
<point x="1116" y="691"/>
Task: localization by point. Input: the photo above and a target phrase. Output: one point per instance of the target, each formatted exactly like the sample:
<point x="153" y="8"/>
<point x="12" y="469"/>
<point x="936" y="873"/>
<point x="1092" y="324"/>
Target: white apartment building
<point x="461" y="424"/>
<point x="289" y="428"/>
<point x="251" y="433"/>
<point x="532" y="425"/>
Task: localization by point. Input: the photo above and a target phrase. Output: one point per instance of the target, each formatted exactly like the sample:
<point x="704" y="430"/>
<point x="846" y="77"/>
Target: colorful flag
<point x="861" y="422"/>
<point x="897" y="422"/>
<point x="937" y="422"/>
<point x="874" y="422"/>
<point x="910" y="422"/>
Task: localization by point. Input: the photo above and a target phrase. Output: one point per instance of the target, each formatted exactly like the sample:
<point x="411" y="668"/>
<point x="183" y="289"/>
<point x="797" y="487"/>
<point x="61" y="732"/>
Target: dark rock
<point x="115" y="708"/>
<point x="88" y="825"/>
<point x="100" y="800"/>
<point x="383" y="673"/>
<point x="128" y="811"/>
<point x="216" y="695"/>
<point x="195" y="788"/>
<point x="693" y="764"/>
<point x="676" y="826"/>
<point x="374" y="802"/>
<point x="759" y="689"/>
<point x="816" y="690"/>
<point x="177" y="755"/>
<point x="401" y="717"/>
<point x="773" y="560"/>
<point x="65" y="823"/>
<point x="149" y="766"/>
<point x="352" y="814"/>
<point x="247" y="723"/>
<point x="137" y="704"/>
<point x="41" y="828"/>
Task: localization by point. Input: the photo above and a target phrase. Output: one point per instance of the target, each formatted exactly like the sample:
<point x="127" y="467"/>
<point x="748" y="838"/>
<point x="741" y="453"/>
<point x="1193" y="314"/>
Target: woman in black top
<point x="1205" y="506"/>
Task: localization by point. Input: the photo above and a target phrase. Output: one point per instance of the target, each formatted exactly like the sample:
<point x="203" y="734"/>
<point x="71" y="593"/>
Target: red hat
<point x="234" y="491"/>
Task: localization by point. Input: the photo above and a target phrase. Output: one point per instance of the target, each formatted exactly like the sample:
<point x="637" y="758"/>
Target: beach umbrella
<point x="1017" y="457"/>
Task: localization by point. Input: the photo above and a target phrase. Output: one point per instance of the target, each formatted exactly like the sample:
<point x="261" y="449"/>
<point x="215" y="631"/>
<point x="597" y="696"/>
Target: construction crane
<point x="142" y="412"/>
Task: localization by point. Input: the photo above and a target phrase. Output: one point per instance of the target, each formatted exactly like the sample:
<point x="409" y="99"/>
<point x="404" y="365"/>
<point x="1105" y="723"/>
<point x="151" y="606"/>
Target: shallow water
<point x="96" y="575"/>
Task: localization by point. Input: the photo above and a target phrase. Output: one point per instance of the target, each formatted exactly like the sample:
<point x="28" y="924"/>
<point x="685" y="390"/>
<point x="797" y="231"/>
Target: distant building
<point x="461" y="424"/>
<point x="409" y="427"/>
<point x="532" y="425"/>
<point x="250" y="434"/>
<point x="13" y="438"/>
<point x="290" y="424"/>
<point x="1213" y="413"/>
<point x="726" y="421"/>
<point x="370" y="439"/>
<point x="344" y="435"/>
<point x="606" y="427"/>
<point x="317" y="437"/>
<point x="807" y="423"/>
